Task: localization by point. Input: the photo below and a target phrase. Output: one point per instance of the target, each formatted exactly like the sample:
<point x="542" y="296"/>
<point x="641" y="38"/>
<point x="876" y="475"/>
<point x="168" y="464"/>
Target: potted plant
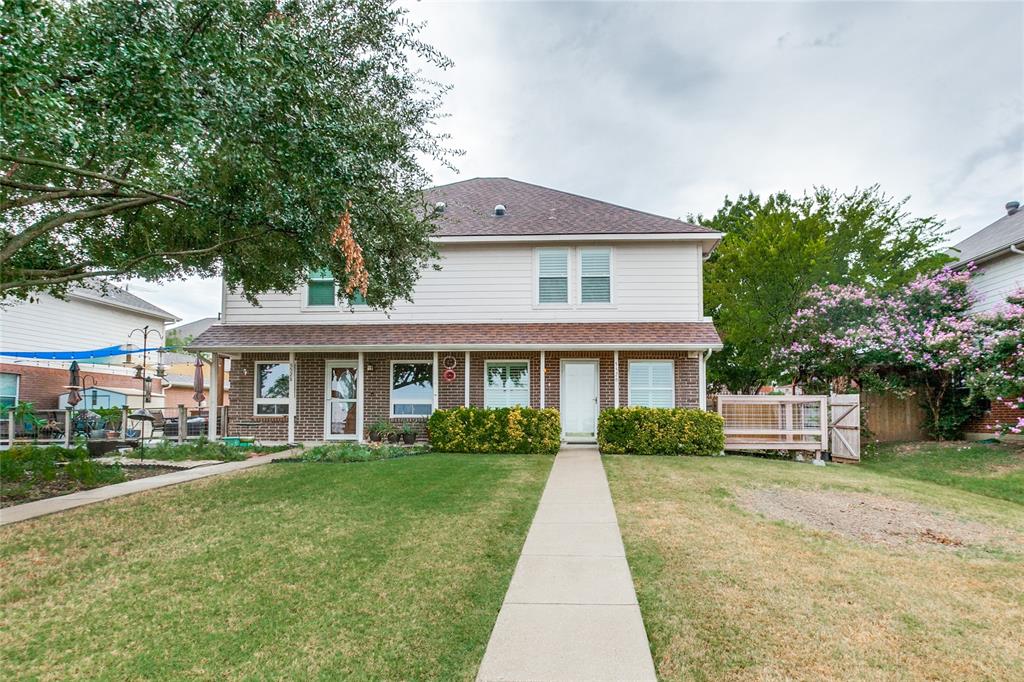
<point x="379" y="430"/>
<point x="408" y="434"/>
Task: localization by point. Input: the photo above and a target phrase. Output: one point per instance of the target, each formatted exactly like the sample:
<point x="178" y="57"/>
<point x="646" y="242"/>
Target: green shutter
<point x="553" y="273"/>
<point x="595" y="276"/>
<point x="321" y="293"/>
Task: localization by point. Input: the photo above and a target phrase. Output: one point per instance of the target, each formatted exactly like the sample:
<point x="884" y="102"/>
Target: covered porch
<point x="290" y="385"/>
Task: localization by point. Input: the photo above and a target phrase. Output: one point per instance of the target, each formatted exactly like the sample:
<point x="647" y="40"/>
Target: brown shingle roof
<point x="581" y="334"/>
<point x="536" y="210"/>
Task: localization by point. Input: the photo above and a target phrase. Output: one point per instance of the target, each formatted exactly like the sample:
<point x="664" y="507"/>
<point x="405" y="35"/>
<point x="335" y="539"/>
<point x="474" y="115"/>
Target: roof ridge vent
<point x="439" y="207"/>
<point x="499" y="210"/>
<point x="1012" y="207"/>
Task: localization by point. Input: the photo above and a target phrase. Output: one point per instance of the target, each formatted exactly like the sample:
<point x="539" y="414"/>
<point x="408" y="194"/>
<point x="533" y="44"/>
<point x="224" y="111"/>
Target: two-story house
<point x="542" y="298"/>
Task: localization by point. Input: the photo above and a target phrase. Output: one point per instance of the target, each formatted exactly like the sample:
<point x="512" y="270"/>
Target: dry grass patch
<point x="730" y="594"/>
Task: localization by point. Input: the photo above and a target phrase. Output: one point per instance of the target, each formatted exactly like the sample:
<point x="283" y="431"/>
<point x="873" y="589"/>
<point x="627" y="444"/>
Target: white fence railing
<point x="792" y="422"/>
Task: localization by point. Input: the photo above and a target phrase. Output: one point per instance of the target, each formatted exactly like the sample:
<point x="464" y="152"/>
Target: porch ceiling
<point x="551" y="336"/>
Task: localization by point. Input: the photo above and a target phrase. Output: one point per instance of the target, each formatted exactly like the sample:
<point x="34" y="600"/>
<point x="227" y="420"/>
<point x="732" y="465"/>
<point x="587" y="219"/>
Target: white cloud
<point x="669" y="107"/>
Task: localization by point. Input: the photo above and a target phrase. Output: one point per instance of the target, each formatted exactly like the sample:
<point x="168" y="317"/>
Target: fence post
<point x="67" y="428"/>
<point x="124" y="422"/>
<point x="182" y="423"/>
<point x="825" y="418"/>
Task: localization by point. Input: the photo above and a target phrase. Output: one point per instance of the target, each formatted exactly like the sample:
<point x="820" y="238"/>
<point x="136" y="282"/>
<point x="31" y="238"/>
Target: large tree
<point x="776" y="249"/>
<point x="245" y="138"/>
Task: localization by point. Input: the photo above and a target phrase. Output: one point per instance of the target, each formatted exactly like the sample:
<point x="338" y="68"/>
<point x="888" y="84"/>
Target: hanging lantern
<point x="138" y="371"/>
<point x="161" y="371"/>
<point x="128" y="348"/>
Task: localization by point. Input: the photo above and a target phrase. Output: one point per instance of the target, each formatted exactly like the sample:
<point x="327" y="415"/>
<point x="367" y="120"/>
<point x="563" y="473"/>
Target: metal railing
<point x="65" y="427"/>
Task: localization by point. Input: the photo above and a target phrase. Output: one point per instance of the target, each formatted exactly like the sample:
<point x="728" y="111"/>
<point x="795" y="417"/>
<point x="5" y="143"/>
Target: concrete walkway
<point x="571" y="611"/>
<point x="30" y="510"/>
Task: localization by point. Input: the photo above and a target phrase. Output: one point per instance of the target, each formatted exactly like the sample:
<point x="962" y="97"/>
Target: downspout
<point x="1016" y="249"/>
<point x="702" y="383"/>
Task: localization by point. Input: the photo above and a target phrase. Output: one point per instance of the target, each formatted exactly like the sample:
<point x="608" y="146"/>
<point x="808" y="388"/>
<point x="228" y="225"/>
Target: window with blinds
<point x="553" y="275"/>
<point x="508" y="384"/>
<point x="320" y="289"/>
<point x="651" y="383"/>
<point x="596" y="275"/>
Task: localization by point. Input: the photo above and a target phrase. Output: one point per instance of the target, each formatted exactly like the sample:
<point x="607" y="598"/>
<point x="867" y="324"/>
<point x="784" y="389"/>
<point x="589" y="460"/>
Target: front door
<point x="579" y="400"/>
<point x="340" y="405"/>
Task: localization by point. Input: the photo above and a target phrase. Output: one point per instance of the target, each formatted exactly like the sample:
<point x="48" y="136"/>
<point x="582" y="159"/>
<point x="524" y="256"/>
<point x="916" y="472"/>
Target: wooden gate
<point x="845" y="426"/>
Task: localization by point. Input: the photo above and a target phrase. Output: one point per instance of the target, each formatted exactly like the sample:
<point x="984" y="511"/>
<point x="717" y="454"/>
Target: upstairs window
<point x="320" y="290"/>
<point x="651" y="383"/>
<point x="273" y="388"/>
<point x="596" y="275"/>
<point x="508" y="384"/>
<point x="553" y="275"/>
<point x="412" y="389"/>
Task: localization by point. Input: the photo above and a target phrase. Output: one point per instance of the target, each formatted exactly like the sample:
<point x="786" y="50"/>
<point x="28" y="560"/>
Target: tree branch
<point x="122" y="269"/>
<point x="91" y="174"/>
<point x="43" y="226"/>
<point x="57" y="194"/>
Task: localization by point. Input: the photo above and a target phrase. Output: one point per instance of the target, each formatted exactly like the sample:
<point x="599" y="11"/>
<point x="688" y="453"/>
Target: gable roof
<point x="990" y="241"/>
<point x="120" y="298"/>
<point x="532" y="210"/>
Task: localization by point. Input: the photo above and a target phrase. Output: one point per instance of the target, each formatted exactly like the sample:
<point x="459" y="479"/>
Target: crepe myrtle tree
<point x="998" y="376"/>
<point x="253" y="139"/>
<point x="918" y="337"/>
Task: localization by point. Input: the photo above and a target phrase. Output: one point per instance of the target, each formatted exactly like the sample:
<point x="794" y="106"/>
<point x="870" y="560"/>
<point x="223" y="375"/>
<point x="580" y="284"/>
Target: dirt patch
<point x="873" y="518"/>
<point x="20" y="493"/>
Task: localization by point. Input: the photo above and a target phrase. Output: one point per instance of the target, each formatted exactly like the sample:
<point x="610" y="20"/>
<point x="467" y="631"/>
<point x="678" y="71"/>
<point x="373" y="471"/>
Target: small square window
<point x="652" y="383"/>
<point x="273" y="388"/>
<point x="320" y="288"/>
<point x="412" y="389"/>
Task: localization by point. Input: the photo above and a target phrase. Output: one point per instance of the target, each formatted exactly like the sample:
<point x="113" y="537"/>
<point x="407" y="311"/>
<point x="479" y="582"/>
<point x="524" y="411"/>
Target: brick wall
<point x="43" y="386"/>
<point x="985" y="424"/>
<point x="242" y="420"/>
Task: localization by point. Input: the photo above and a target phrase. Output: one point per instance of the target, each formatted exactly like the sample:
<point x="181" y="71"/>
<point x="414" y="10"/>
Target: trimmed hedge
<point x="660" y="431"/>
<point x="512" y="430"/>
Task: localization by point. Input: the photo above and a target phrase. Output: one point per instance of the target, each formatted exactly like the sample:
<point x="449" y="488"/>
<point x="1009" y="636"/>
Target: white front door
<point x="340" y="402"/>
<point x="579" y="400"/>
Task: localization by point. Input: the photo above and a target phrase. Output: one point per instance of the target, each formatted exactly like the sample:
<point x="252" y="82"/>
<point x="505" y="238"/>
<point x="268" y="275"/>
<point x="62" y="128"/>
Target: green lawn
<point x="727" y="593"/>
<point x="383" y="570"/>
<point x="991" y="469"/>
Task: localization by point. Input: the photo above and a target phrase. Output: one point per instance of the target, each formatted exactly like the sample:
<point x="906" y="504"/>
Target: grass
<point x="991" y="469"/>
<point x="390" y="570"/>
<point x="729" y="594"/>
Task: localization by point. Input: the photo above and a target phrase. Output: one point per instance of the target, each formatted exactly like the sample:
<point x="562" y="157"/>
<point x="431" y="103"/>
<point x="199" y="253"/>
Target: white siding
<point x="52" y="324"/>
<point x="994" y="280"/>
<point x="657" y="281"/>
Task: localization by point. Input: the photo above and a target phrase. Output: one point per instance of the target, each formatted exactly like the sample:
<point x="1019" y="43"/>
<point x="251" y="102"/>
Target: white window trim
<point x="505" y="361"/>
<point x="257" y="400"/>
<point x="17" y="388"/>
<point x="629" y="383"/>
<point x="391" y="391"/>
<point x="330" y="365"/>
<point x="611" y="276"/>
<point x="569" y="294"/>
<point x="305" y="307"/>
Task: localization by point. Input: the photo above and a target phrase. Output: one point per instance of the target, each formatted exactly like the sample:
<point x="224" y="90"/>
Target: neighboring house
<point x="997" y="253"/>
<point x="89" y="319"/>
<point x="180" y="380"/>
<point x="543" y="298"/>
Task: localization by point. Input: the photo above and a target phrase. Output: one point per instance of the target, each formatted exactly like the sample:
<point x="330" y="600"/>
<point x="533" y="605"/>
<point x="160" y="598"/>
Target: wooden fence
<point x="891" y="419"/>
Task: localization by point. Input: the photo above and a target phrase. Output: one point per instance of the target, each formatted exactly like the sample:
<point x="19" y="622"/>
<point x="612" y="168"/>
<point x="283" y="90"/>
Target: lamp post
<point x="141" y="372"/>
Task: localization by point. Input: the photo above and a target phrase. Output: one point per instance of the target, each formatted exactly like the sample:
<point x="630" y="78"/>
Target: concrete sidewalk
<point x="571" y="611"/>
<point x="30" y="510"/>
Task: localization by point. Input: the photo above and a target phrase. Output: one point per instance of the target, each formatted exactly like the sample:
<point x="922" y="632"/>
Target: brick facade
<point x="310" y="385"/>
<point x="984" y="426"/>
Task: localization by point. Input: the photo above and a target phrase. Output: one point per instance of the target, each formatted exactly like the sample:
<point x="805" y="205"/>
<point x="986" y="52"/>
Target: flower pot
<point x="376" y="436"/>
<point x="409" y="438"/>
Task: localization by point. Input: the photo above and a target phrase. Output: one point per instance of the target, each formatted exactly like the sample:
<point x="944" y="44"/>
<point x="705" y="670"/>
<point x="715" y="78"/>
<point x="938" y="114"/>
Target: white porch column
<point x="434" y="382"/>
<point x="214" y="406"/>
<point x="292" y="380"/>
<point x="542" y="379"/>
<point x="360" y="392"/>
<point x="615" y="373"/>
<point x="702" y="381"/>
<point x="465" y="372"/>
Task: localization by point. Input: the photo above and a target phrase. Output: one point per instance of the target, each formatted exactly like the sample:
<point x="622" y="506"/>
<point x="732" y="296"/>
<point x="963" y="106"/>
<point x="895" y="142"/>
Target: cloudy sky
<point x="669" y="107"/>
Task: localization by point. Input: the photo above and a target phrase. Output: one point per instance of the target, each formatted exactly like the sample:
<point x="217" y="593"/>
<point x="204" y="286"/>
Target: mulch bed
<point x="12" y="494"/>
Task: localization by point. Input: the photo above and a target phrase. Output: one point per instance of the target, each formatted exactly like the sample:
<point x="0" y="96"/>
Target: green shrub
<point x="660" y="431"/>
<point x="32" y="463"/>
<point x="354" y="452"/>
<point x="518" y="430"/>
<point x="90" y="474"/>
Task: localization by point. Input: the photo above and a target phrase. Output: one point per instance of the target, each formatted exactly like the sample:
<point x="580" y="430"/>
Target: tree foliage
<point x="168" y="138"/>
<point x="776" y="249"/>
